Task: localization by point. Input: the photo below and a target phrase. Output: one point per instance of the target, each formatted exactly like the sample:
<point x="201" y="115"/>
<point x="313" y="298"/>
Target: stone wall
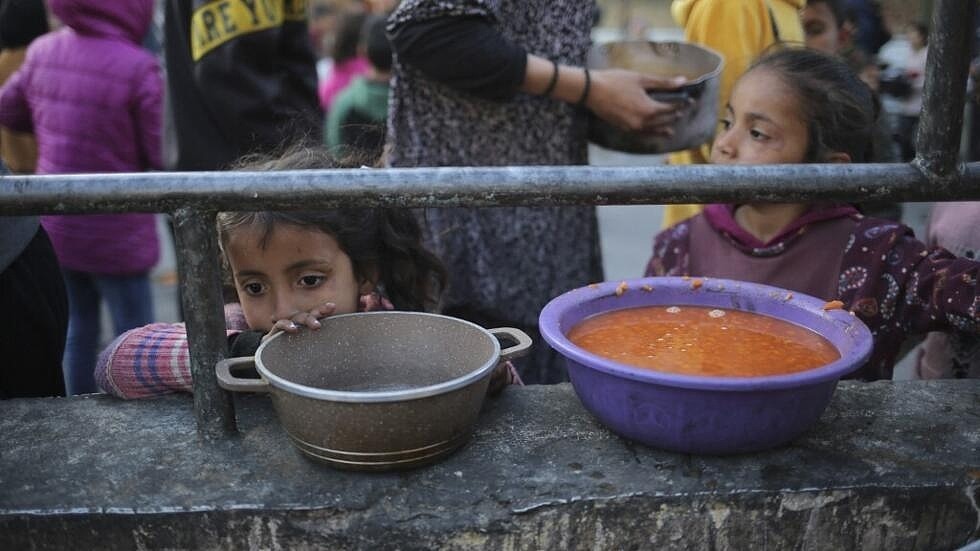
<point x="889" y="466"/>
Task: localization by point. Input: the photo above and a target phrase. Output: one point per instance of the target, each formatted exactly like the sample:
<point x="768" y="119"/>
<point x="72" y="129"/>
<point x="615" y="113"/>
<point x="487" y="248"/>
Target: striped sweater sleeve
<point x="152" y="360"/>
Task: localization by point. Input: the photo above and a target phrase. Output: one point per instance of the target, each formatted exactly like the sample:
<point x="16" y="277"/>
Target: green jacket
<point x="361" y="107"/>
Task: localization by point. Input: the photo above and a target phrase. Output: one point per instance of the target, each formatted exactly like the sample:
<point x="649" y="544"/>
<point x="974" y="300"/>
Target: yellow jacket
<point x="739" y="30"/>
<point x="18" y="150"/>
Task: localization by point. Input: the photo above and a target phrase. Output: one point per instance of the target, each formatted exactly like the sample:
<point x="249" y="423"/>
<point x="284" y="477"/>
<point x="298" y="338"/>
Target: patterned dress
<point x="505" y="263"/>
<point x="894" y="283"/>
<point x="952" y="225"/>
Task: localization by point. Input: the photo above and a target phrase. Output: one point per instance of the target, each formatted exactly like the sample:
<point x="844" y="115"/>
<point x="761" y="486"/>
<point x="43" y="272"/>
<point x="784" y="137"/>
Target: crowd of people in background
<point x="135" y="85"/>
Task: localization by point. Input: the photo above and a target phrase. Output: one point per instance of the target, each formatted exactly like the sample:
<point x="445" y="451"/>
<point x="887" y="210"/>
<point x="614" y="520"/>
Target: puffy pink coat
<point x="93" y="98"/>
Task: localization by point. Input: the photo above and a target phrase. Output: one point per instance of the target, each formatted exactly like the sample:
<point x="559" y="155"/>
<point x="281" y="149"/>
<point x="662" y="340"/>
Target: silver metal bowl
<point x="377" y="391"/>
<point x="701" y="66"/>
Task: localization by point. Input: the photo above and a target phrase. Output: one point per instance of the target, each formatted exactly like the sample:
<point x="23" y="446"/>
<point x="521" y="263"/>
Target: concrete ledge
<point x="889" y="466"/>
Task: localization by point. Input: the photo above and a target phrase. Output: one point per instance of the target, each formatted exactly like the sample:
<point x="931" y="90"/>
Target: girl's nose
<point x="285" y="309"/>
<point x="724" y="148"/>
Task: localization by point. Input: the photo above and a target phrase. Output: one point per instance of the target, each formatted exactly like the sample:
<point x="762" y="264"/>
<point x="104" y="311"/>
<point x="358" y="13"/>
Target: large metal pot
<point x="701" y="66"/>
<point x="695" y="414"/>
<point x="378" y="391"/>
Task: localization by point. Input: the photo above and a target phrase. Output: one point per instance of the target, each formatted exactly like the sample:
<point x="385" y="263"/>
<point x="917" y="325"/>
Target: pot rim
<point x="850" y="360"/>
<point x="388" y="395"/>
<point x="719" y="59"/>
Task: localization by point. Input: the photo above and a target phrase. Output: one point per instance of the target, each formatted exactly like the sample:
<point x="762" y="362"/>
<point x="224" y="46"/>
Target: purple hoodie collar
<point x="126" y="19"/>
<point x="722" y="218"/>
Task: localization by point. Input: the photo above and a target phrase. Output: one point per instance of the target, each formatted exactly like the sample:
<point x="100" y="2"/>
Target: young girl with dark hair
<point x="288" y="270"/>
<point x="802" y="106"/>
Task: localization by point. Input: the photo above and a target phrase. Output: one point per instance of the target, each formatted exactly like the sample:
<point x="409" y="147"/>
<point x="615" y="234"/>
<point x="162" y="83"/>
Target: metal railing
<point x="194" y="198"/>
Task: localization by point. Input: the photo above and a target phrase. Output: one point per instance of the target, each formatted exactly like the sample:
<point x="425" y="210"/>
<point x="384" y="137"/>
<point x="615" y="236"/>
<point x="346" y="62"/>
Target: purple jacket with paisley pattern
<point x="896" y="284"/>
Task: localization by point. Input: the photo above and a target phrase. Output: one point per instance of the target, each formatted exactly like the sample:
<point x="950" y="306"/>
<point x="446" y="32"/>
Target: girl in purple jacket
<point x="92" y="97"/>
<point x="802" y="106"/>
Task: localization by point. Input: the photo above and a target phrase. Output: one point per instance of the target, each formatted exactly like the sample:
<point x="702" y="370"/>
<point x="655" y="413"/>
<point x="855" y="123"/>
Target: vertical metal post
<point x="200" y="286"/>
<point x="938" y="138"/>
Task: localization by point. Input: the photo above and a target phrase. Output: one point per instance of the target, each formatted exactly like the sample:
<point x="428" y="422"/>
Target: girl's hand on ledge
<point x="309" y="319"/>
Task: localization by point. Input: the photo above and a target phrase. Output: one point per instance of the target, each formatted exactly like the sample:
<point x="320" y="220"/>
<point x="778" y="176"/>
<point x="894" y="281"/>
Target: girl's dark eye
<point x="725" y="124"/>
<point x="310" y="280"/>
<point x="253" y="288"/>
<point x="757" y="135"/>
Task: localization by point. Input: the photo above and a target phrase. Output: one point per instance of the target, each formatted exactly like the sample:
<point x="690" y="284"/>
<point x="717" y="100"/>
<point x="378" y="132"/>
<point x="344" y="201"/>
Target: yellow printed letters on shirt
<point x="217" y="22"/>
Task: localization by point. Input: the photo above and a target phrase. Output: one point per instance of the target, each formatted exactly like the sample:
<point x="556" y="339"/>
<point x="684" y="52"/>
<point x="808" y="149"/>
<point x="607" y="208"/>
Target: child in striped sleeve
<point x="289" y="269"/>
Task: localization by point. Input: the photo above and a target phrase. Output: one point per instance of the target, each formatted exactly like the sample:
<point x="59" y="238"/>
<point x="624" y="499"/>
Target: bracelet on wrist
<point x="554" y="80"/>
<point x="585" y="90"/>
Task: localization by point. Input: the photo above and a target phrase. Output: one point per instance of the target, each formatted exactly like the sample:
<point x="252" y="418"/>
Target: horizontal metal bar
<point x="478" y="186"/>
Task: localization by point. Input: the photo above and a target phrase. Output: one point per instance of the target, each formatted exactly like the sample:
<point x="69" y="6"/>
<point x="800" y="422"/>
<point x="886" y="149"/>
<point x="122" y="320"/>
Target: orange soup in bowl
<point x="696" y="340"/>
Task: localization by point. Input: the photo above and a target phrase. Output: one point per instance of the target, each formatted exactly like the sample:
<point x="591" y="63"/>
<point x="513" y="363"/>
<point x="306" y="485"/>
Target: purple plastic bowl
<point x="695" y="414"/>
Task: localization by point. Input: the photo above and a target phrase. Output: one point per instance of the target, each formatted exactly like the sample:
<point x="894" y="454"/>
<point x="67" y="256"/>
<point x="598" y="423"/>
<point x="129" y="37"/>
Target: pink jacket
<point x="93" y="98"/>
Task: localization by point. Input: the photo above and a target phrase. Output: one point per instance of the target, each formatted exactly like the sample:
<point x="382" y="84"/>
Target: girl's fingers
<point x="271" y="332"/>
<point x="284" y="325"/>
<point x="311" y="319"/>
<point x="308" y="319"/>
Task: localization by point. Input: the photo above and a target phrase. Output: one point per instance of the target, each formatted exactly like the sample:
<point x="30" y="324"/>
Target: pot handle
<point x="228" y="381"/>
<point x="522" y="346"/>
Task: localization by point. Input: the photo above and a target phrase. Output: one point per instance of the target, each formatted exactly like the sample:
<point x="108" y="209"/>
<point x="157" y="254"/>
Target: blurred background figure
<point x="356" y="124"/>
<point x="868" y="68"/>
<point x="239" y="80"/>
<point x="154" y="39"/>
<point x="826" y="27"/>
<point x="21" y="21"/>
<point x="886" y="147"/>
<point x="92" y="96"/>
<point x="347" y="59"/>
<point x="971" y="138"/>
<point x="871" y="33"/>
<point x="324" y="19"/>
<point x="33" y="302"/>
<point x="381" y="7"/>
<point x="911" y="104"/>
